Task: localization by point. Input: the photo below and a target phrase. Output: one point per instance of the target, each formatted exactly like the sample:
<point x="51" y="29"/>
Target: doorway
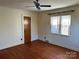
<point x="27" y="29"/>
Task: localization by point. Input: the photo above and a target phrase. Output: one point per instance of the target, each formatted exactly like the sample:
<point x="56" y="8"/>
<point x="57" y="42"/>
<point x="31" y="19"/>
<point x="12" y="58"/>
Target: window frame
<point x="59" y="33"/>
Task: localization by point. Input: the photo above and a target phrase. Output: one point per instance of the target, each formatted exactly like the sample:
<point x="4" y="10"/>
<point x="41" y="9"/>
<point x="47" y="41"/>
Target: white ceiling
<point x="23" y="3"/>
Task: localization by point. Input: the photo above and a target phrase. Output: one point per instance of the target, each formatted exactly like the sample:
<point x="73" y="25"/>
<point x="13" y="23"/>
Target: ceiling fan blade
<point x="37" y="0"/>
<point x="45" y="5"/>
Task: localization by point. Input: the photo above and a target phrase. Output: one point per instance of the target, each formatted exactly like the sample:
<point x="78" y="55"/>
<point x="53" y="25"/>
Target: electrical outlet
<point x="44" y="37"/>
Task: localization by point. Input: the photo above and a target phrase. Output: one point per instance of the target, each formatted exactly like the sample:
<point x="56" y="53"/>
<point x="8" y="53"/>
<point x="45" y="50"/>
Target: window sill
<point x="61" y="35"/>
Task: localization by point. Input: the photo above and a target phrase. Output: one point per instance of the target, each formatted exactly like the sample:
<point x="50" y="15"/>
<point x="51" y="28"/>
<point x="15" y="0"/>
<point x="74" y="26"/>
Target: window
<point x="61" y="24"/>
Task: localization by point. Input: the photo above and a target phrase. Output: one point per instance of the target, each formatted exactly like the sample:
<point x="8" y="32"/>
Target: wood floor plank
<point x="38" y="50"/>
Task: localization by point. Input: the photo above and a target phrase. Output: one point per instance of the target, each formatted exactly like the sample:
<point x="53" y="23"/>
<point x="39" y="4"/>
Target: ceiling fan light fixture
<point x="38" y="5"/>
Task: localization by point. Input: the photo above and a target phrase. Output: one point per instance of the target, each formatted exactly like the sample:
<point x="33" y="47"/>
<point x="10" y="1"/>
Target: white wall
<point x="11" y="26"/>
<point x="71" y="42"/>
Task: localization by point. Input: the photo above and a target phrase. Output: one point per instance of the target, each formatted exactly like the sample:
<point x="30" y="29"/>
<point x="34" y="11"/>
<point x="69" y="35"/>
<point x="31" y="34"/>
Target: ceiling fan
<point x="38" y="5"/>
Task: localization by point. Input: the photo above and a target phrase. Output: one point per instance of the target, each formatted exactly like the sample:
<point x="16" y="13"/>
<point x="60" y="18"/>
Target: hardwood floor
<point x="38" y="50"/>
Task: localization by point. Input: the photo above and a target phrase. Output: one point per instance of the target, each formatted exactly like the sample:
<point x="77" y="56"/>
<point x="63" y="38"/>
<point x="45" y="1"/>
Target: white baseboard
<point x="13" y="45"/>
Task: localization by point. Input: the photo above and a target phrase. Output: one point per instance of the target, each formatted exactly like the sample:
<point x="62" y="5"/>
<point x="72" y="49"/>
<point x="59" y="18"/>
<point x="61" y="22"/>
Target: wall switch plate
<point x="21" y="38"/>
